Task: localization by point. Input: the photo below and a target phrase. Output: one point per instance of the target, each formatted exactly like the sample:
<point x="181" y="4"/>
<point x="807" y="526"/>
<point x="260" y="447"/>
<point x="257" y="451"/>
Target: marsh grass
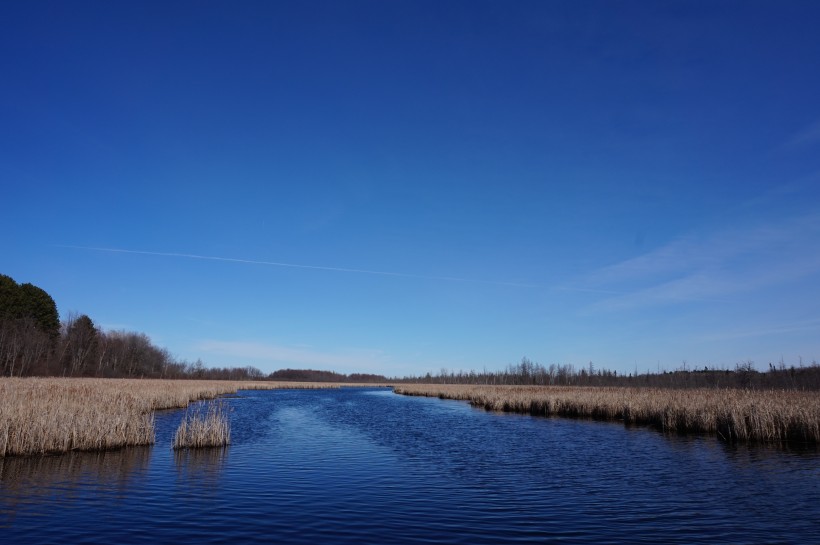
<point x="56" y="415"/>
<point x="733" y="415"/>
<point x="204" y="427"/>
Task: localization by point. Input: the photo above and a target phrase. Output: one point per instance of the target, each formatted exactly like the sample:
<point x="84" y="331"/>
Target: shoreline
<point x="732" y="415"/>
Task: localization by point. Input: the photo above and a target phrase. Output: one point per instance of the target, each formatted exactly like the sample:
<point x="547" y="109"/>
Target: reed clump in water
<point x="746" y="415"/>
<point x="204" y="428"/>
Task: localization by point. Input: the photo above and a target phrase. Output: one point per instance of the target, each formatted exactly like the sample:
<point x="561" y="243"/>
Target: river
<point x="357" y="465"/>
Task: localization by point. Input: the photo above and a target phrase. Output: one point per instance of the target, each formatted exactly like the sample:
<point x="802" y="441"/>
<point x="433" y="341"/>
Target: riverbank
<point x="766" y="416"/>
<point x="56" y="415"/>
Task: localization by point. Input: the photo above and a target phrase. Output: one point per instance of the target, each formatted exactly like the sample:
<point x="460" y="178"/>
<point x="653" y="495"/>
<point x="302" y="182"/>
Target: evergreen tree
<point x="20" y="301"/>
<point x="38" y="304"/>
<point x="10" y="304"/>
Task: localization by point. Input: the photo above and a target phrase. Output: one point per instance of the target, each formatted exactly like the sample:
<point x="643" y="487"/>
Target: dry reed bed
<point x="53" y="415"/>
<point x="745" y="415"/>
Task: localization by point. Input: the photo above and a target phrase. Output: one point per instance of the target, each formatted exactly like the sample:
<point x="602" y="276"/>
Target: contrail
<point x="299" y="266"/>
<point x="590" y="290"/>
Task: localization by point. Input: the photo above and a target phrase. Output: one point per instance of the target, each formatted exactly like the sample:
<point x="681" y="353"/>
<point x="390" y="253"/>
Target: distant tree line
<point x="33" y="341"/>
<point x="527" y="372"/>
<point x="311" y="375"/>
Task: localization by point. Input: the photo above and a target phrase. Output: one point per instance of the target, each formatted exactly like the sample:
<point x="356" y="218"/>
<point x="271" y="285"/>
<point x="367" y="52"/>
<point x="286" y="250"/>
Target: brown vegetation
<point x="747" y="415"/>
<point x="52" y="415"/>
<point x="200" y="427"/>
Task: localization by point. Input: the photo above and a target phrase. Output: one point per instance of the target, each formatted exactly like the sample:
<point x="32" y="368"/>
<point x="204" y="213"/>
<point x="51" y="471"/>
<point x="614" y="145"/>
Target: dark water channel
<point x="369" y="466"/>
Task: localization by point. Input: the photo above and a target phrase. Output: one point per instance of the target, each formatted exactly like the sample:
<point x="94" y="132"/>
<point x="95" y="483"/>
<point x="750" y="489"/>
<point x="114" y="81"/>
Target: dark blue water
<point x="369" y="466"/>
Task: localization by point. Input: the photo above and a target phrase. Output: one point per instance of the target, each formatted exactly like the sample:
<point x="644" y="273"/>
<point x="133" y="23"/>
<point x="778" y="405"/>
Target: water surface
<point x="369" y="466"/>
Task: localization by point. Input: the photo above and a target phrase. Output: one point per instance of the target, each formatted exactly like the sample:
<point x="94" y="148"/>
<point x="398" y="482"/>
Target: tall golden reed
<point x="204" y="428"/>
<point x="747" y="415"/>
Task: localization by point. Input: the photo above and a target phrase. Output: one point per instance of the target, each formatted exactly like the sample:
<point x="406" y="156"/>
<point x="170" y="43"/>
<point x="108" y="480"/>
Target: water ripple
<point x="367" y="466"/>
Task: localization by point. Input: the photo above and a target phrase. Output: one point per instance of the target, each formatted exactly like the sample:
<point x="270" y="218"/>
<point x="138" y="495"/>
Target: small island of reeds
<point x="204" y="427"/>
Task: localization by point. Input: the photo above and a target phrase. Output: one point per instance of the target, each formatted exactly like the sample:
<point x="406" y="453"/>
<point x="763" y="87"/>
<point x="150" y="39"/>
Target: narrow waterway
<point x="369" y="466"/>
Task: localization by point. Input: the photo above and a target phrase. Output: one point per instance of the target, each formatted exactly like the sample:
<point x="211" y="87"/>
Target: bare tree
<point x="80" y="344"/>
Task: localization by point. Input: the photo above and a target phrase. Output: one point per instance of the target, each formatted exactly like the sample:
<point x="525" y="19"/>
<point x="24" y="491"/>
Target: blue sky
<point x="400" y="187"/>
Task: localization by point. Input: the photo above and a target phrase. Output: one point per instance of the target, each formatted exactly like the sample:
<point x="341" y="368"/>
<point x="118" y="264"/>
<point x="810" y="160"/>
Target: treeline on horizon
<point x="312" y="375"/>
<point x="34" y="342"/>
<point x="528" y="373"/>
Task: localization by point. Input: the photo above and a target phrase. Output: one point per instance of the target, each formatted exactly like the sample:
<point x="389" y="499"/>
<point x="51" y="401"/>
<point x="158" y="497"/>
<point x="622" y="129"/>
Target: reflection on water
<point x="205" y="464"/>
<point x="739" y="451"/>
<point x="40" y="474"/>
<point x="368" y="466"/>
<point x="29" y="480"/>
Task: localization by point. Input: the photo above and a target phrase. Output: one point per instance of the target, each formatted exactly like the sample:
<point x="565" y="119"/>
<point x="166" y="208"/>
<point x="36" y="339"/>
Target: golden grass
<point x="204" y="428"/>
<point x="747" y="415"/>
<point x="53" y="415"/>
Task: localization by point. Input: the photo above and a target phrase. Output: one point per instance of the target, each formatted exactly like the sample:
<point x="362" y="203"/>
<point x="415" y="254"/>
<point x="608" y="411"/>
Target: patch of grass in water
<point x="204" y="428"/>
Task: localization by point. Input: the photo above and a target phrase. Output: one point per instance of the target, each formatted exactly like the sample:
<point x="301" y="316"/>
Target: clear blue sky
<point x="629" y="183"/>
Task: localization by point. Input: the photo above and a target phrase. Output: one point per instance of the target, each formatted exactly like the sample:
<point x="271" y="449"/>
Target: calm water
<point x="369" y="466"/>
